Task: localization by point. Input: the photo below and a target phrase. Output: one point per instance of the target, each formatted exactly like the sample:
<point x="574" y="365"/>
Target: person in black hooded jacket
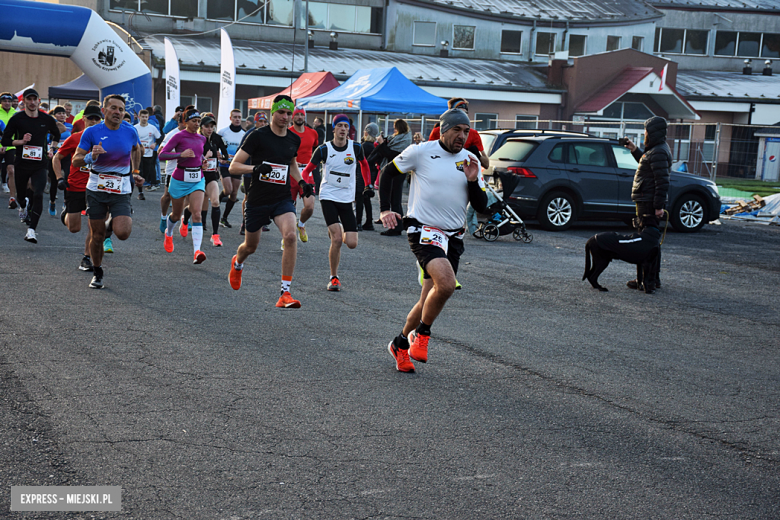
<point x="651" y="180"/>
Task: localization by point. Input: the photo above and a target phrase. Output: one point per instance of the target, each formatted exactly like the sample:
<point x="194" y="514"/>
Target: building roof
<point x="275" y="59"/>
<point x="562" y="10"/>
<point x="731" y="86"/>
<point x="612" y="92"/>
<point x="717" y="5"/>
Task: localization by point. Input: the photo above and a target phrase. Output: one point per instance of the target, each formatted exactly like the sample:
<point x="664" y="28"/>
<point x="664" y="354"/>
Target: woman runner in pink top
<point x="187" y="149"/>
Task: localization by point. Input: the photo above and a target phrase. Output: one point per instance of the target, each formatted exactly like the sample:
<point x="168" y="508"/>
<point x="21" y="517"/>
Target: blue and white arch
<point x="80" y="34"/>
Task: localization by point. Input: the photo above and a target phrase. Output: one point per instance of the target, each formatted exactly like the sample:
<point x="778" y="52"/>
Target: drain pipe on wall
<point x="532" y="43"/>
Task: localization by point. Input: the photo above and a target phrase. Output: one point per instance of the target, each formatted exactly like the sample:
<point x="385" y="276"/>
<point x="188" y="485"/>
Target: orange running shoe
<point x="168" y="244"/>
<point x="286" y="300"/>
<point x="334" y="285"/>
<point x="215" y="241"/>
<point x="418" y="346"/>
<point x="183" y="229"/>
<point x="402" y="361"/>
<point x="200" y="257"/>
<point x="235" y="275"/>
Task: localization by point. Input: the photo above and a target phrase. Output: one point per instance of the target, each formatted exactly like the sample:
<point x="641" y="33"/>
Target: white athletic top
<point x="232" y="140"/>
<point x="169" y="165"/>
<point x="338" y="177"/>
<point x="148" y="135"/>
<point x="438" y="194"/>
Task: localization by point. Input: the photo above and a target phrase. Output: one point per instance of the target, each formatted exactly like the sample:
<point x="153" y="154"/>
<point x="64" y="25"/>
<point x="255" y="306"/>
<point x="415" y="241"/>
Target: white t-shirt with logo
<point x="148" y="135"/>
<point x="232" y="140"/>
<point x="339" y="175"/>
<point x="438" y="193"/>
<point x="169" y="165"/>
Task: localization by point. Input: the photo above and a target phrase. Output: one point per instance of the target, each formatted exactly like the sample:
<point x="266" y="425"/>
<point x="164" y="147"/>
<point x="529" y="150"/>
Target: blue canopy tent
<point x="382" y="90"/>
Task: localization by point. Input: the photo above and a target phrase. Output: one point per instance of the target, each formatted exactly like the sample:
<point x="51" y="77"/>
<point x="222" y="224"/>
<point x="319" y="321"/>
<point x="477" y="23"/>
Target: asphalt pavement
<point x="542" y="398"/>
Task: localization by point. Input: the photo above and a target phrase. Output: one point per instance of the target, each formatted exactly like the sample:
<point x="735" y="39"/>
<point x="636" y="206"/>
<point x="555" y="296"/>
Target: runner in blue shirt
<point x="112" y="151"/>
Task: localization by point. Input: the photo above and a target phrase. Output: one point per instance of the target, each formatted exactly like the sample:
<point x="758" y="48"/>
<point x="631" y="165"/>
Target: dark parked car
<point x="565" y="177"/>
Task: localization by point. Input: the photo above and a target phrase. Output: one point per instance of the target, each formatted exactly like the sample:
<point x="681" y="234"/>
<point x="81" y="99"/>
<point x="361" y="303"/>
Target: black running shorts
<point x="259" y="216"/>
<point x="211" y="176"/>
<point x="101" y="204"/>
<point x="335" y="212"/>
<point x="426" y="253"/>
<point x="10" y="157"/>
<point x="75" y="201"/>
<point x="226" y="173"/>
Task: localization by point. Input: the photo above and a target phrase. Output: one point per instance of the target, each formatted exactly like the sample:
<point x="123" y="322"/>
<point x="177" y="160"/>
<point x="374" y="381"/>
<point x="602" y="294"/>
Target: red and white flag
<point x="663" y="79"/>
<point x="19" y="94"/>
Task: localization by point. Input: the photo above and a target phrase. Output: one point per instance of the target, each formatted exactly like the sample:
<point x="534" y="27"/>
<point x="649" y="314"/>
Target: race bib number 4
<point x="109" y="183"/>
<point x="191" y="174"/>
<point x="431" y="236"/>
<point x="32" y="153"/>
<point x="277" y="175"/>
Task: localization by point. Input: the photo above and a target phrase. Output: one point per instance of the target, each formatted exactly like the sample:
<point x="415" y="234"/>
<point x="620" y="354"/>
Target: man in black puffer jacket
<point x="651" y="180"/>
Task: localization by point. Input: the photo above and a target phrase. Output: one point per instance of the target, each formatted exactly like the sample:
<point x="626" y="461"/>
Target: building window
<point x="341" y="17"/>
<point x="578" y="45"/>
<point x="526" y="122"/>
<point x="511" y="42"/>
<point x="613" y="43"/>
<point x="182" y="8"/>
<point x="771" y="46"/>
<point x="681" y="41"/>
<point x="637" y="43"/>
<point x="251" y="11"/>
<point x="485" y="121"/>
<point x="156" y="7"/>
<point x="424" y="34"/>
<point x="696" y="42"/>
<point x="545" y="43"/>
<point x="749" y="44"/>
<point x="725" y="43"/>
<point x="220" y="10"/>
<point x="279" y="12"/>
<point x="243" y="106"/>
<point x="628" y="110"/>
<point x="318" y="15"/>
<point x="203" y="104"/>
<point x="463" y="37"/>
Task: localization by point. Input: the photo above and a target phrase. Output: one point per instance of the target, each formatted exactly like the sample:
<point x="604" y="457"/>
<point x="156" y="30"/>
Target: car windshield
<point x="514" y="150"/>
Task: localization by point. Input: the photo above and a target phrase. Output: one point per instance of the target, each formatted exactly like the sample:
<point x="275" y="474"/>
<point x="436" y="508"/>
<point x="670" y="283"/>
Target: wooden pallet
<point x="746" y="207"/>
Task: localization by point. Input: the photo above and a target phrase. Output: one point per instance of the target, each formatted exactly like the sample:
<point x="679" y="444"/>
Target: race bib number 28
<point x="277" y="175"/>
<point x="431" y="236"/>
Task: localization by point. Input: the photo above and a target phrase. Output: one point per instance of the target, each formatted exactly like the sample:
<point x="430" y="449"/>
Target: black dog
<point x="642" y="249"/>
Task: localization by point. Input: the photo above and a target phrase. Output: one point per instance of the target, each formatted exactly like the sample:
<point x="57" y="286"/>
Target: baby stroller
<point x="503" y="220"/>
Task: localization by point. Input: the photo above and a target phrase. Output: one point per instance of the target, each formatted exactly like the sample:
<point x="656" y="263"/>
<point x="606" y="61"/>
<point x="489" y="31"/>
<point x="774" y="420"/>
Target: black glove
<point x="368" y="192"/>
<point x="62" y="184"/>
<point x="306" y="188"/>
<point x="262" y="169"/>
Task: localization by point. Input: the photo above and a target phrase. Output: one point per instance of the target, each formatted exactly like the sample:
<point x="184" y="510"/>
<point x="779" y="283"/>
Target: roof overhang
<point x="639" y="80"/>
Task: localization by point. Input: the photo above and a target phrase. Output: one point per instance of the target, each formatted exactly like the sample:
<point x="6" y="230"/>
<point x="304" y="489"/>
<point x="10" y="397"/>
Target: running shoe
<point x="141" y="196"/>
<point x="286" y="300"/>
<point x="154" y="187"/>
<point x="97" y="278"/>
<point x="199" y="258"/>
<point x="62" y="217"/>
<point x="418" y="346"/>
<point x="108" y="245"/>
<point x="302" y="234"/>
<point x="282" y="247"/>
<point x="168" y="244"/>
<point x="402" y="361"/>
<point x="163" y="224"/>
<point x="83" y="212"/>
<point x="30" y="236"/>
<point x="52" y="209"/>
<point x="368" y="226"/>
<point x="235" y="274"/>
<point x="22" y="213"/>
<point x="266" y="228"/>
<point x="86" y="264"/>
<point x="458" y="286"/>
<point x="12" y="203"/>
<point x="223" y="221"/>
<point x="215" y="241"/>
<point x="5" y="189"/>
<point x="334" y="284"/>
<point x="184" y="229"/>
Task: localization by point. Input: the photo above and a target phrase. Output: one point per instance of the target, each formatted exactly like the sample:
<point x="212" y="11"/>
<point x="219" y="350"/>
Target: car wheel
<point x="557" y="211"/>
<point x="688" y="213"/>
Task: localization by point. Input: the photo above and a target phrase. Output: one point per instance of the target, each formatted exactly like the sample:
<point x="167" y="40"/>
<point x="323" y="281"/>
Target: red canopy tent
<point x="309" y="84"/>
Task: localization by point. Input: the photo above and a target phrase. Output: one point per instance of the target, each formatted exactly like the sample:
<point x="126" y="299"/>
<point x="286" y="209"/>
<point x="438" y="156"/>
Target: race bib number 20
<point x="277" y="175"/>
<point x="431" y="236"/>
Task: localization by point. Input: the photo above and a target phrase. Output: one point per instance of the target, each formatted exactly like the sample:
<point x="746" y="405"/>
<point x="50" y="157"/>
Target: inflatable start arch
<point x="80" y="34"/>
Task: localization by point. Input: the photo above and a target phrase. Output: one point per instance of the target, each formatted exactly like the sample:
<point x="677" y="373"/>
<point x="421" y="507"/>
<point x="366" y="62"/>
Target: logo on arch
<point x="106" y="55"/>
<point x="772" y="158"/>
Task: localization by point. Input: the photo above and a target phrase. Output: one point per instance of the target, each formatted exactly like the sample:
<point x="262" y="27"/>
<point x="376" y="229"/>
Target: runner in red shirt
<point x="309" y="143"/>
<point x="75" y="183"/>
<point x="473" y="142"/>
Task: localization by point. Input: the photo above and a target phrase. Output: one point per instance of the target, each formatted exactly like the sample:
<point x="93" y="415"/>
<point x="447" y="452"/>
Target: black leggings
<point x="361" y="201"/>
<point x="38" y="181"/>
